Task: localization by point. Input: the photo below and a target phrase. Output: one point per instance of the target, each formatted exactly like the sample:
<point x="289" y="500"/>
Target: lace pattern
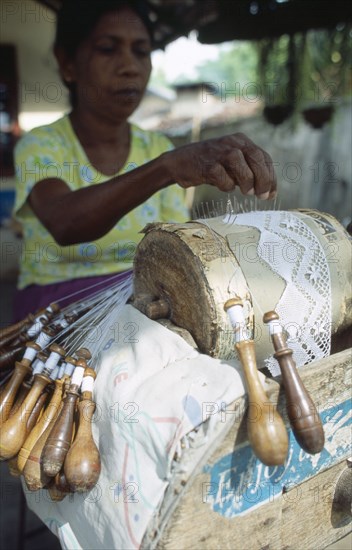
<point x="291" y="250"/>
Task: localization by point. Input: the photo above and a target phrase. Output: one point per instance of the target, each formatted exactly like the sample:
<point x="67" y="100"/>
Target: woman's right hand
<point x="227" y="162"/>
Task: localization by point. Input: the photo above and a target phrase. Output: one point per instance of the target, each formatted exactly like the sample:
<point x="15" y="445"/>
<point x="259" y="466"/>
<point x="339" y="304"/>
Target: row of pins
<point x="231" y="206"/>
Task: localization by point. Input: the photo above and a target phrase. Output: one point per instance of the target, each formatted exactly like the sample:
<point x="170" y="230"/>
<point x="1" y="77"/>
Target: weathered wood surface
<point x="194" y="268"/>
<point x="299" y="516"/>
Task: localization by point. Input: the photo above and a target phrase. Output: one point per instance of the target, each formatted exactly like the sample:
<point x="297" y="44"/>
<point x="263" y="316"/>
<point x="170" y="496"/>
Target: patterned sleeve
<point x="38" y="155"/>
<point x="173" y="198"/>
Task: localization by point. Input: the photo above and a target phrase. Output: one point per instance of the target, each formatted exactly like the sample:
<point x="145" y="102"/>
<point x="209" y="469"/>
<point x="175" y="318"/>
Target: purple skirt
<point x="33" y="297"/>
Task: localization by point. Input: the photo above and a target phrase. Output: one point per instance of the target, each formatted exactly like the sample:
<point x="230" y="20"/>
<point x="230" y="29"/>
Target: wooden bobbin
<point x="36" y="368"/>
<point x="58" y="488"/>
<point x="301" y="410"/>
<point x="56" y="354"/>
<point x="82" y="464"/>
<point x="59" y="441"/>
<point x="12" y="463"/>
<point x="54" y="308"/>
<point x="49" y="415"/>
<point x="14" y="430"/>
<point x="37" y="410"/>
<point x="22" y="369"/>
<point x="266" y="430"/>
<point x="84" y="353"/>
<point x="17" y="327"/>
<point x="45" y="336"/>
<point x="9" y="356"/>
<point x="10" y="339"/>
<point x="33" y="473"/>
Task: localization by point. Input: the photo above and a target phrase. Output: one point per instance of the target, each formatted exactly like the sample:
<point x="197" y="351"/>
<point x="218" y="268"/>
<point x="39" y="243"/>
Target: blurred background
<point x="276" y="70"/>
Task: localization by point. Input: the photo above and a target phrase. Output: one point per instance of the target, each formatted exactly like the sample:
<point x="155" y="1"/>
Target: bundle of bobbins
<point x="46" y="405"/>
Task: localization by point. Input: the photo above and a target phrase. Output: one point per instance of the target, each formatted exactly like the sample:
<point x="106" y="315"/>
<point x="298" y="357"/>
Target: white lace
<point x="305" y="305"/>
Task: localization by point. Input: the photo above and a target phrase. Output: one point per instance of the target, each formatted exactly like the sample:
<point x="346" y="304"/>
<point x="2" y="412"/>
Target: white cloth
<point x="152" y="388"/>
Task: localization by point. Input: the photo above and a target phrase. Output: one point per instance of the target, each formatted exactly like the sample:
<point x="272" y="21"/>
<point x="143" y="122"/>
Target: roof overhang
<point x="223" y="20"/>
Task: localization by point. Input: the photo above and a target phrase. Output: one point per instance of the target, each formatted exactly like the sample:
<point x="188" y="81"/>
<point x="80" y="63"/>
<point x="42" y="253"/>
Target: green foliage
<point x="306" y="68"/>
<point x="237" y="64"/>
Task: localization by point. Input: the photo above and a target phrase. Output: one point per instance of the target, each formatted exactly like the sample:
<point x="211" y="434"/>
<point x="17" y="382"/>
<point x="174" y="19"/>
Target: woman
<point x="90" y="182"/>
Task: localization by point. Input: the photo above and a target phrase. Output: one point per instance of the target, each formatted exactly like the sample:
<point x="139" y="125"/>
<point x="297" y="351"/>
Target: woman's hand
<point x="226" y="162"/>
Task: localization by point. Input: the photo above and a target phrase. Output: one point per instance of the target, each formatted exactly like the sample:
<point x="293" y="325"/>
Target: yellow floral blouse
<point x="54" y="151"/>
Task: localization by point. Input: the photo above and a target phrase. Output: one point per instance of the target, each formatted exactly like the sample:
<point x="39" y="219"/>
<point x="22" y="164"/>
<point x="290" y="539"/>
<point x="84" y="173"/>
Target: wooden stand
<point x="202" y="507"/>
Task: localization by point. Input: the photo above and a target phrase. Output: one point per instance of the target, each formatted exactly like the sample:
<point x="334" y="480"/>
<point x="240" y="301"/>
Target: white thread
<point x="52" y="361"/>
<point x="95" y="324"/>
<point x="30" y="354"/>
<point x="35" y="329"/>
<point x="61" y="371"/>
<point x="64" y="323"/>
<point x="77" y="376"/>
<point x="38" y="366"/>
<point x="87" y="384"/>
<point x="55" y="373"/>
<point x="35" y="363"/>
<point x="235" y="314"/>
<point x="43" y="339"/>
<point x="69" y="368"/>
<point x="88" y="288"/>
<point x="237" y="320"/>
<point x="274" y="327"/>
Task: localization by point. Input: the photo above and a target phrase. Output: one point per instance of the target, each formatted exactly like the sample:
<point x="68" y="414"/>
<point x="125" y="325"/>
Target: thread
<point x="52" y="361"/>
<point x="54" y="373"/>
<point x="38" y="366"/>
<point x="61" y="371"/>
<point x="77" y="376"/>
<point x="274" y="327"/>
<point x="30" y="353"/>
<point x="35" y="329"/>
<point x="87" y="384"/>
<point x="43" y="339"/>
<point x="69" y="368"/>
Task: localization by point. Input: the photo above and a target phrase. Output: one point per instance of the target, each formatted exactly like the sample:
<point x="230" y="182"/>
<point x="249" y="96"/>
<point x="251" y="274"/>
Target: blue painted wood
<point x="239" y="482"/>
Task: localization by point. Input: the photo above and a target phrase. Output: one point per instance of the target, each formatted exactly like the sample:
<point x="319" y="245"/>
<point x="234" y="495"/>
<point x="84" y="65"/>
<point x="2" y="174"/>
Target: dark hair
<point x="77" y="18"/>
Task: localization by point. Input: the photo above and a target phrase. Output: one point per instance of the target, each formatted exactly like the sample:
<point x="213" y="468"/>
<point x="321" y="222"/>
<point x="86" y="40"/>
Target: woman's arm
<point x="88" y="214"/>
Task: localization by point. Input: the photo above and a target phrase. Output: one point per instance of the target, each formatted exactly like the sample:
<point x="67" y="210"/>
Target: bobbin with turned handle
<point x="84" y="353"/>
<point x="266" y="430"/>
<point x="58" y="487"/>
<point x="22" y="369"/>
<point x="17" y="327"/>
<point x="301" y="410"/>
<point x="59" y="440"/>
<point x="51" y="412"/>
<point x="10" y="336"/>
<point x="9" y="356"/>
<point x="36" y="367"/>
<point x="33" y="473"/>
<point x="82" y="464"/>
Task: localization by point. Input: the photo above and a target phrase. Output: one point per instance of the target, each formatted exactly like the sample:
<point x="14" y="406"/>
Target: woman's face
<point x="112" y="66"/>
